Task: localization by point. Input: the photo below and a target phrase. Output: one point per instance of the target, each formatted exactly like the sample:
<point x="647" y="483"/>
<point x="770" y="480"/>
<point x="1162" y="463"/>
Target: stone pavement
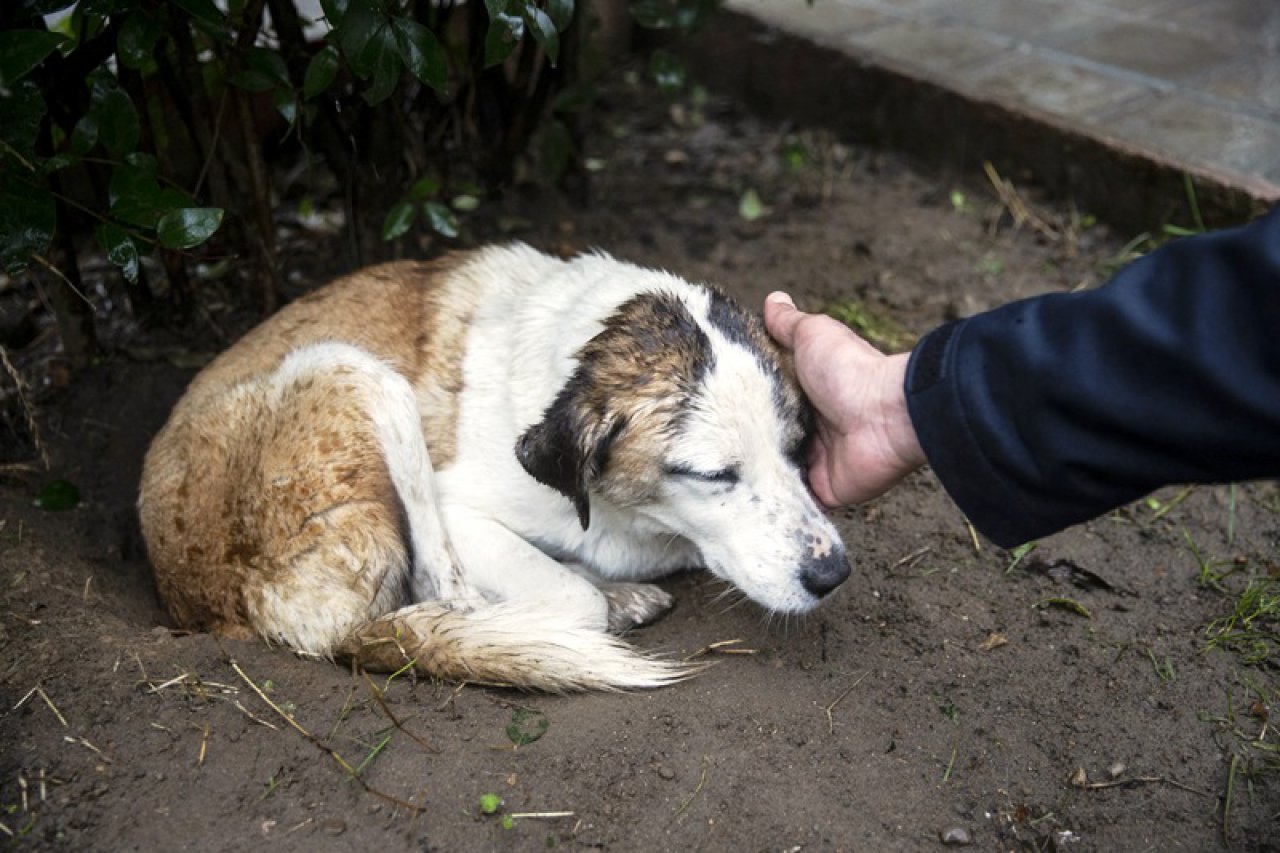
<point x="1140" y="91"/>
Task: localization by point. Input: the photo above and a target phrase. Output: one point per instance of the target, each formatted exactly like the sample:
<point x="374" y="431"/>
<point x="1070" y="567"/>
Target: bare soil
<point x="1068" y="702"/>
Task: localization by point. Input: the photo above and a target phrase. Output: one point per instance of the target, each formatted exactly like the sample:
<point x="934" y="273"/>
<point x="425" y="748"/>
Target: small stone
<point x="665" y="772"/>
<point x="956" y="836"/>
<point x="1115" y="771"/>
<point x="333" y="826"/>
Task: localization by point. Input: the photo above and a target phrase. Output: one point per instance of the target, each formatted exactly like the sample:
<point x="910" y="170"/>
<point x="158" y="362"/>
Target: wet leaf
<point x="28" y="215"/>
<point x="421" y="52"/>
<point x="399" y="220"/>
<point x="441" y="218"/>
<point x="137" y="42"/>
<point x="188" y="226"/>
<point x="505" y="32"/>
<point x="22" y="50"/>
<point x="112" y="109"/>
<point x="544" y="32"/>
<point x="561" y="12"/>
<point x="120" y="249"/>
<point x="526" y="726"/>
<point x="21" y="113"/>
<point x="58" y="495"/>
<point x="321" y="72"/>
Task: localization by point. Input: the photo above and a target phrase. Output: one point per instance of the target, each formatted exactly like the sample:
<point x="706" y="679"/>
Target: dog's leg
<point x="502" y="566"/>
<point x="631" y="605"/>
<point x="347" y="455"/>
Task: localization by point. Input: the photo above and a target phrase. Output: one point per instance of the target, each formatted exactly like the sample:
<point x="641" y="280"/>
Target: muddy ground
<point x="943" y="690"/>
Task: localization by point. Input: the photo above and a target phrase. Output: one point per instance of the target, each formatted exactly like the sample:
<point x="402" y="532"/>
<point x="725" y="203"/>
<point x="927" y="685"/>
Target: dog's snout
<point x="821" y="575"/>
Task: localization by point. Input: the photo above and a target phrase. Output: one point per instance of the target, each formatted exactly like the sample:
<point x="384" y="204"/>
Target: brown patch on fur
<point x="239" y="492"/>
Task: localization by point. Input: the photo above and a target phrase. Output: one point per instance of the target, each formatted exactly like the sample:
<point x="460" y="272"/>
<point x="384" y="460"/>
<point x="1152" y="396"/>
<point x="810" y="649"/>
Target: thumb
<point x="781" y="317"/>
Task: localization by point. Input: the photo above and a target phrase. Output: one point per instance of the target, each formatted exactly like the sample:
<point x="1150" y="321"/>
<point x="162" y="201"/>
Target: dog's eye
<point x="724" y="475"/>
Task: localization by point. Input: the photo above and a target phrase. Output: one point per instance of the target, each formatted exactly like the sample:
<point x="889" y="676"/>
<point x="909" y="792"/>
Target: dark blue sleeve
<point x="1053" y="410"/>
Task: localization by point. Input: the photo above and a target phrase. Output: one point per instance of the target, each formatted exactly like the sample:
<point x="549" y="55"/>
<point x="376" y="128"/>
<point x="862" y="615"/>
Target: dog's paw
<point x="634" y="604"/>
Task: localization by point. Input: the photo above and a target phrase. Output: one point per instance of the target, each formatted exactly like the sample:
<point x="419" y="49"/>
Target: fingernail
<point x="781" y="297"/>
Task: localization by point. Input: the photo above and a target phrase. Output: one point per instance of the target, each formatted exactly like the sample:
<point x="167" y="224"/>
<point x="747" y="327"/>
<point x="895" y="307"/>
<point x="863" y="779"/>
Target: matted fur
<point x="472" y="464"/>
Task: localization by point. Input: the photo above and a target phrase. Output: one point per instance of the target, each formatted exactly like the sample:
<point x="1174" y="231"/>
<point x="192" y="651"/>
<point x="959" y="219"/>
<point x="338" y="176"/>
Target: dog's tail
<point x="510" y="644"/>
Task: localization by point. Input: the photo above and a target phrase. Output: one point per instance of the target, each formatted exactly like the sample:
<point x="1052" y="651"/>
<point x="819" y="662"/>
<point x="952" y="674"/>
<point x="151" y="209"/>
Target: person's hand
<point x="865" y="442"/>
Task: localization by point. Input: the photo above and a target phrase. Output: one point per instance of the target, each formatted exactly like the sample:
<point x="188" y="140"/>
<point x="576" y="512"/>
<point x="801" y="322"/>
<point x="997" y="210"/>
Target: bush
<point x="147" y="126"/>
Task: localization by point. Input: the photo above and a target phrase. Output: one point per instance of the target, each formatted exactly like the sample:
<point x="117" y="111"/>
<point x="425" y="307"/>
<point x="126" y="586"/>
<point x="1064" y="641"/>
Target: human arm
<point x="1049" y="411"/>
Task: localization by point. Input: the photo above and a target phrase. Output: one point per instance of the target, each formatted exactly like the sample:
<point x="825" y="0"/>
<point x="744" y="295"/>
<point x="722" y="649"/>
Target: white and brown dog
<point x="474" y="464"/>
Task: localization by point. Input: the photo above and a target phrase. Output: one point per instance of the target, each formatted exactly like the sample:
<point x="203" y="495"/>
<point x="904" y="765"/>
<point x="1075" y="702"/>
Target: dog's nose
<point x="820" y="575"/>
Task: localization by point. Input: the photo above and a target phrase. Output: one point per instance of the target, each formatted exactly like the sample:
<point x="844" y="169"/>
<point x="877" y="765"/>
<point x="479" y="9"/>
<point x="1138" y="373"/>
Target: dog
<point x="477" y="465"/>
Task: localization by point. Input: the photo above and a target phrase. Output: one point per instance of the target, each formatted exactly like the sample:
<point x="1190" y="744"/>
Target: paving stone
<point x="1015" y="18"/>
<point x="1144" y="48"/>
<point x="1186" y="129"/>
<point x="822" y="21"/>
<point x="1033" y="79"/>
<point x="1250" y="85"/>
<point x="941" y="49"/>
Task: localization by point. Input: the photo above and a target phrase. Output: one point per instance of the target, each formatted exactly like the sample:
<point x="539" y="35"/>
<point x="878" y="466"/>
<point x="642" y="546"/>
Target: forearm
<point x="1053" y="410"/>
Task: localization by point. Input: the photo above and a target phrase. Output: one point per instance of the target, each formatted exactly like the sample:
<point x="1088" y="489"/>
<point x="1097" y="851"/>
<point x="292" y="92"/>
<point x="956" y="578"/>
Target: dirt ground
<point x="1068" y="702"/>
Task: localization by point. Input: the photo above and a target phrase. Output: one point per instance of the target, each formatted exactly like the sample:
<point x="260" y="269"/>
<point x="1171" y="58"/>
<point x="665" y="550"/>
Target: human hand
<point x="865" y="441"/>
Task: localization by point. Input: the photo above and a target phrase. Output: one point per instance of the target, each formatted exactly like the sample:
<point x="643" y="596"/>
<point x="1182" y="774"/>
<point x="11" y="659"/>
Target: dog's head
<point x="683" y="410"/>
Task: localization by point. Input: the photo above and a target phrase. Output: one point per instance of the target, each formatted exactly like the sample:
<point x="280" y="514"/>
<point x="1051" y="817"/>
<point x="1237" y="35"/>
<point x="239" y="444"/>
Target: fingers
<point x="781" y="317"/>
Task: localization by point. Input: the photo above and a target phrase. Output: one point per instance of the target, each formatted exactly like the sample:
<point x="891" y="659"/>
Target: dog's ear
<point x="569" y="448"/>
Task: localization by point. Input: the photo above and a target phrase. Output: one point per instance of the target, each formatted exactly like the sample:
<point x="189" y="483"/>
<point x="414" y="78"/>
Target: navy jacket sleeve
<point x="1056" y="409"/>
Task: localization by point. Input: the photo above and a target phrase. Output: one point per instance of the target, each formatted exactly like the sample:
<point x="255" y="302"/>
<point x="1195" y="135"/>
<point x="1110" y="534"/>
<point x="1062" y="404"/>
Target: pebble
<point x="333" y="826"/>
<point x="956" y="836"/>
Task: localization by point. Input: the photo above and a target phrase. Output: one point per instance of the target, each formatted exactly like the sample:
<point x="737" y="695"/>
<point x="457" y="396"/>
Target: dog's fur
<point x="473" y="464"/>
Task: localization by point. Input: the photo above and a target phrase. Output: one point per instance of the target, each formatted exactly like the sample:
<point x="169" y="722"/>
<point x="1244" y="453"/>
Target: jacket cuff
<point x="934" y="382"/>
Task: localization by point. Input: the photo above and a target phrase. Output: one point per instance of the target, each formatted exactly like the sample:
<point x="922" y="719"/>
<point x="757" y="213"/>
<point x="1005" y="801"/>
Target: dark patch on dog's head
<point x="745" y="329"/>
<point x="632" y="381"/>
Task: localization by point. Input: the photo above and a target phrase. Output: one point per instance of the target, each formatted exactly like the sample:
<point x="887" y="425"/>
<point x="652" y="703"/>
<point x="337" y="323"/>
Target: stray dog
<point x="474" y="465"/>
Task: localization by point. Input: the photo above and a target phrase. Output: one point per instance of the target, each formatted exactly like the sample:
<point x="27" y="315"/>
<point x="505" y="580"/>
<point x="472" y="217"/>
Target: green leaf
<point x="23" y="50"/>
<point x="28" y="216"/>
<point x="117" y="118"/>
<point x="544" y="32"/>
<point x="386" y="73"/>
<point x="490" y="803"/>
<point x="441" y="218"/>
<point x="667" y="71"/>
<point x="561" y="11"/>
<point x="321" y="72"/>
<point x="526" y="726"/>
<point x="120" y="249"/>
<point x="335" y="11"/>
<point x="399" y="220"/>
<point x="203" y="11"/>
<point x="423" y="189"/>
<point x="362" y="33"/>
<point x="137" y="42"/>
<point x="750" y="207"/>
<point x="421" y="52"/>
<point x="58" y="495"/>
<point x="136" y="196"/>
<point x="20" y="116"/>
<point x="505" y="32"/>
<point x="286" y="101"/>
<point x="188" y="226"/>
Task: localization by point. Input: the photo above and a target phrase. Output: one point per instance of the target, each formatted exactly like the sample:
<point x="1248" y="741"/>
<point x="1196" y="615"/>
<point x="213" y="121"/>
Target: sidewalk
<point x="1136" y="92"/>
